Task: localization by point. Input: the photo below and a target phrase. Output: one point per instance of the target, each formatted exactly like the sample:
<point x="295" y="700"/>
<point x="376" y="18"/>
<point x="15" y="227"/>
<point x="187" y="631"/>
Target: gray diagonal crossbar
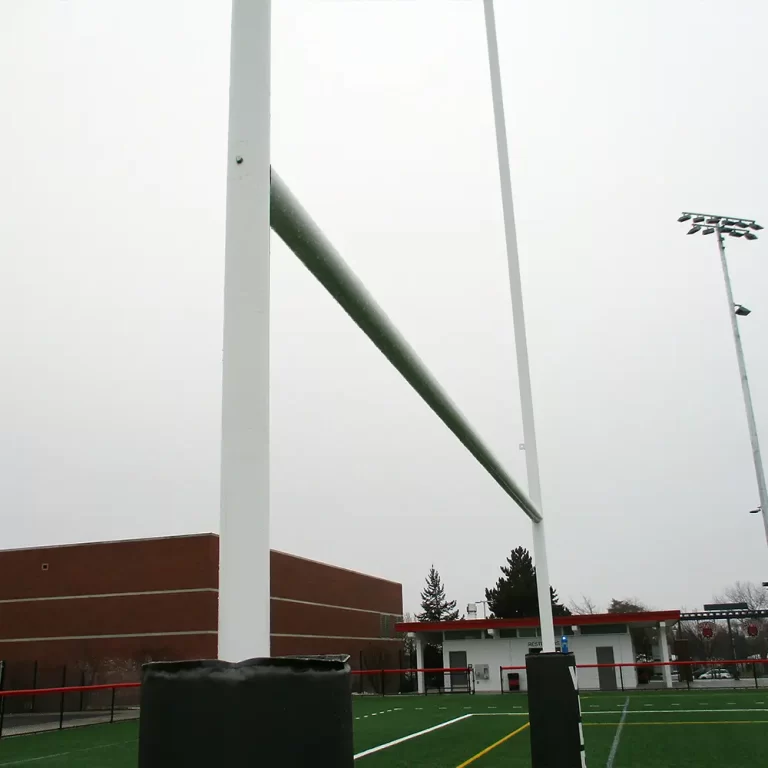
<point x="299" y="232"/>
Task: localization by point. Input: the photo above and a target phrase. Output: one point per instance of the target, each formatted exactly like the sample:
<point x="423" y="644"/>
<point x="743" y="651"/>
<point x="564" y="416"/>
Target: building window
<point x="529" y="632"/>
<point x="466" y="634"/>
<point x="507" y="633"/>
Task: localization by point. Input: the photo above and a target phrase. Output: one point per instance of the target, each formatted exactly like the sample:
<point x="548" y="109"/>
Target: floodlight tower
<point x="712" y="224"/>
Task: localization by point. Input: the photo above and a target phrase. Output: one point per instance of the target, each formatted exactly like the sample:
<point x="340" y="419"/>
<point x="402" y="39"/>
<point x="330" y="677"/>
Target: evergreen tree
<point x="515" y="596"/>
<point x="434" y="606"/>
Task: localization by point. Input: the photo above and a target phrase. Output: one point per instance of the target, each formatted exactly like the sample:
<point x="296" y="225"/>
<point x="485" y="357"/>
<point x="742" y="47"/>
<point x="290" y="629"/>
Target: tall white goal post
<point x="256" y="199"/>
<point x="244" y="595"/>
<point x="521" y="340"/>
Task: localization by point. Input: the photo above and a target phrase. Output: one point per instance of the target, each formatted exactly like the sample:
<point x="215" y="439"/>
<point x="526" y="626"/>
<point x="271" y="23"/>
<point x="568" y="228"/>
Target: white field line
<point x="410" y="736"/>
<point x="617" y="737"/>
<point x="631" y="712"/>
<point x="35" y="759"/>
<point x="677" y="711"/>
<point x="383" y="712"/>
<point x="27" y="760"/>
<point x="611" y="757"/>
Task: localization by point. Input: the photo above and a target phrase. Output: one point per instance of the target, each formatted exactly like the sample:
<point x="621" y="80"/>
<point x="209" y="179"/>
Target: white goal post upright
<point x="521" y="342"/>
<point x="244" y="596"/>
<point x="257" y="200"/>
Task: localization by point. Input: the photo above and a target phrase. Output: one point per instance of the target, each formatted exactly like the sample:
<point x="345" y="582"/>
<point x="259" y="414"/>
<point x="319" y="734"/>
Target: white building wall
<point x="497" y="652"/>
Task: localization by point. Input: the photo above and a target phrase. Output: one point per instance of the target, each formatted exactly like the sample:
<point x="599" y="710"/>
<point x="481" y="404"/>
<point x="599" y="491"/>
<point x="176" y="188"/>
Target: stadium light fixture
<point x="740" y="228"/>
<point x="755" y="511"/>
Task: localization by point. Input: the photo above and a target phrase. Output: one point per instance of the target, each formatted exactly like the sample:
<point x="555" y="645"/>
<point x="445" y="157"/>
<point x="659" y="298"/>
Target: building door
<point x="458" y="660"/>
<point x="606" y="675"/>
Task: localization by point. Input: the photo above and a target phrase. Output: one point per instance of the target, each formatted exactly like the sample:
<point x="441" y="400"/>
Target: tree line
<point x="515" y="596"/>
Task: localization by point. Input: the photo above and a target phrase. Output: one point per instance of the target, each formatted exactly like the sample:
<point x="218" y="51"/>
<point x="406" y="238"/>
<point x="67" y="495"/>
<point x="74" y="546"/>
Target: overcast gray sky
<point x="620" y="115"/>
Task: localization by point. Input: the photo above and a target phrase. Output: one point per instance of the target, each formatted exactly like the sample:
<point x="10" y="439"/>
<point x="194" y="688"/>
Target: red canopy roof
<point x="580" y="620"/>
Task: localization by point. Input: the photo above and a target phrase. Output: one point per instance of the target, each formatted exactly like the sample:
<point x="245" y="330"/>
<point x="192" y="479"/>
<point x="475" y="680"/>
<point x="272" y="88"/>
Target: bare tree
<point x="586" y="606"/>
<point x="748" y="592"/>
<point x="756" y="598"/>
<point x="409" y="643"/>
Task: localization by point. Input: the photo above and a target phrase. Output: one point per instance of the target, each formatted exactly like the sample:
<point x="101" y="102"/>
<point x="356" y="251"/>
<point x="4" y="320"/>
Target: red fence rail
<point x="759" y="668"/>
<point x="54" y="714"/>
<point x="68" y="689"/>
<point x="399" y="681"/>
<point x="377" y="681"/>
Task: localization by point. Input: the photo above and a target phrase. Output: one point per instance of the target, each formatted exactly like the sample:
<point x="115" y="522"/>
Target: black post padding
<point x="554" y="711"/>
<point x="262" y="712"/>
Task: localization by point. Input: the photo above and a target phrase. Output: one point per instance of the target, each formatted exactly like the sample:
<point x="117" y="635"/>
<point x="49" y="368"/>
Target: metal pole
<point x="34" y="685"/>
<point x="759" y="472"/>
<point x="521" y="342"/>
<point x="244" y="529"/>
<point x="61" y="702"/>
<point x="2" y="698"/>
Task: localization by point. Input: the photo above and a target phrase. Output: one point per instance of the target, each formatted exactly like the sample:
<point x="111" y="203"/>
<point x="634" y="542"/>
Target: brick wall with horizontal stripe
<point x="157" y="598"/>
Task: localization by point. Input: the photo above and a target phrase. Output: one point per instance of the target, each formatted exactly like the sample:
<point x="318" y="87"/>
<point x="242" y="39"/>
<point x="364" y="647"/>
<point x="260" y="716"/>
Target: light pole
<point x="711" y="224"/>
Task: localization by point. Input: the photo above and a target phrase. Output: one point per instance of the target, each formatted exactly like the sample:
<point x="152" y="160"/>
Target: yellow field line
<point x="493" y="746"/>
<point x="688" y="722"/>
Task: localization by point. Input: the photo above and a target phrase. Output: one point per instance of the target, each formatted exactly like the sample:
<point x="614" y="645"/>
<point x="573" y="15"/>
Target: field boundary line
<point x="689" y="722"/>
<point x="629" y="712"/>
<point x="617" y="737"/>
<point x="671" y="711"/>
<point x="485" y="751"/>
<point x="410" y="736"/>
<point x="26" y="760"/>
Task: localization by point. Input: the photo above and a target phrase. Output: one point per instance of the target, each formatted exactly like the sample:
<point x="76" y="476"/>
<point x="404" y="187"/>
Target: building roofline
<point x="191" y="536"/>
<point x="111" y="541"/>
<point x="335" y="567"/>
<point x="580" y="620"/>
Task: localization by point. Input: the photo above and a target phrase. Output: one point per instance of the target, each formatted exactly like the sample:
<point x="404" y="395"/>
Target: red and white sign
<point x="752" y="630"/>
<point x="707" y="631"/>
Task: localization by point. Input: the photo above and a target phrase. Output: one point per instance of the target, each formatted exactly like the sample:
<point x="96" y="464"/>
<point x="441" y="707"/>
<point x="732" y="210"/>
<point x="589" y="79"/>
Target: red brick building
<point x="158" y="599"/>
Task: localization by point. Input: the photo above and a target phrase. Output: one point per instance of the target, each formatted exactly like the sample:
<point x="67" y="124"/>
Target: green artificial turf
<point x="660" y="730"/>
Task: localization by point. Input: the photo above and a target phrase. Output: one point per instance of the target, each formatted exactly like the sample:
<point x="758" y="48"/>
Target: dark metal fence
<point x="54" y="708"/>
<point x="393" y="682"/>
<point x="32" y="710"/>
<point x="711" y="674"/>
